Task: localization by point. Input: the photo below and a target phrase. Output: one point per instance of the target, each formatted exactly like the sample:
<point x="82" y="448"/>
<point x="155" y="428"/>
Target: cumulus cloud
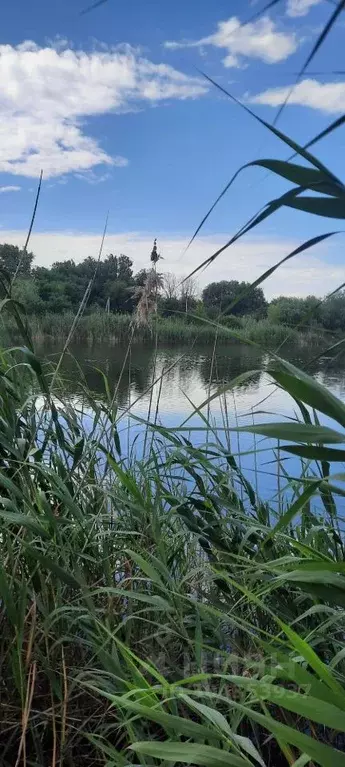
<point x="47" y="93"/>
<point x="259" y="40"/>
<point x="4" y="189"/>
<point x="302" y="276"/>
<point x="300" y="7"/>
<point x="327" y="97"/>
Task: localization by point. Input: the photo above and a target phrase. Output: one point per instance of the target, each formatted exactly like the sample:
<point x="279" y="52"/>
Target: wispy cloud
<point x="326" y="97"/>
<point x="259" y="40"/>
<point x="312" y="273"/>
<point x="300" y="7"/>
<point x="4" y="189"/>
<point x="46" y="92"/>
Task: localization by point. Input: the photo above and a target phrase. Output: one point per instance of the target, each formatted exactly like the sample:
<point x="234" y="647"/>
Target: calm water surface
<point x="187" y="377"/>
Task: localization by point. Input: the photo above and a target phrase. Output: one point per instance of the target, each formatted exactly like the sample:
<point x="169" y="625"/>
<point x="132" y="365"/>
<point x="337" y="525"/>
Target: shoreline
<point x="116" y="329"/>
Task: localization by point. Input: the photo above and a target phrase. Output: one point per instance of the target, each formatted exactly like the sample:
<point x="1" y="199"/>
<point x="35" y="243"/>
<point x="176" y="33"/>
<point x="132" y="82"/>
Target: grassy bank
<point x="155" y="608"/>
<point x="118" y="328"/>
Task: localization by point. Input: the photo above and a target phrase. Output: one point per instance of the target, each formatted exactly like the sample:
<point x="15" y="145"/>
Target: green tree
<point x="13" y="260"/>
<point x="291" y="310"/>
<point x="332" y="312"/>
<point x="218" y="296"/>
<point x="168" y="305"/>
<point x="125" y="272"/>
<point x="109" y="268"/>
<point x="25" y="290"/>
<point x="121" y="296"/>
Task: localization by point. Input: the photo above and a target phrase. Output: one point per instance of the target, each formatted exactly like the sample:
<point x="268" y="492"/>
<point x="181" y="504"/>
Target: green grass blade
<point x="304" y="705"/>
<point x="189" y="753"/>
<point x="295" y="508"/>
<point x="315" y="453"/>
<point x="319" y="206"/>
<point x="295" y="432"/>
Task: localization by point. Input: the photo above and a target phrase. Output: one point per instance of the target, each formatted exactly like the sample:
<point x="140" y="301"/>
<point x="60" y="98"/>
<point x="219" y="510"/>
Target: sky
<point x="113" y="106"/>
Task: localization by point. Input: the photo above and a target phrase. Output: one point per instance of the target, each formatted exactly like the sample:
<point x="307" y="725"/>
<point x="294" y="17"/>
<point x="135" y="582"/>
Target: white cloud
<point x="300" y="7"/>
<point x="4" y="189"/>
<point x="301" y="276"/>
<point x="47" y="93"/>
<point x="327" y="97"/>
<point x="259" y="40"/>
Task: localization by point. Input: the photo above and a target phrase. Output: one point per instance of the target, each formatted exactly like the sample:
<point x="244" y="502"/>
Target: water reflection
<point x="188" y="376"/>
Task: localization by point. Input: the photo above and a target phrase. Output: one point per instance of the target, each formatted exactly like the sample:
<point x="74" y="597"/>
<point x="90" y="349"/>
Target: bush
<point x="332" y="312"/>
<point x="294" y="311"/>
<point x="218" y="296"/>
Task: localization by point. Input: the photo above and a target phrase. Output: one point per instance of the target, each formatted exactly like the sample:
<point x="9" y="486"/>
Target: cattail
<point x="147" y="304"/>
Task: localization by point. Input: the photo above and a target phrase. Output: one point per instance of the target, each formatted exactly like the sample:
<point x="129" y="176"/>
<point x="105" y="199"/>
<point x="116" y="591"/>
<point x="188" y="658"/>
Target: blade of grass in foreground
<point x="30" y="228"/>
<point x="189" y="753"/>
<point x="297" y="148"/>
<point x="325" y="132"/>
<point x="295" y="508"/>
<point x="295" y="432"/>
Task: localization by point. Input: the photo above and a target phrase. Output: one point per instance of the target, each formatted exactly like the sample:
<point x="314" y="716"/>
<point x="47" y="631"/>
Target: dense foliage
<point x="116" y="288"/>
<point x="153" y="605"/>
<point x="154" y="609"/>
<point x="219" y="296"/>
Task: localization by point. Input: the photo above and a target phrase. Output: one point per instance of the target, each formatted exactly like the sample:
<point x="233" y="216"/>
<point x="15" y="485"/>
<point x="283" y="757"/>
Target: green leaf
<point x="170" y="722"/>
<point x="305" y="705"/>
<point x="64" y="575"/>
<point x="292" y="670"/>
<point x="145" y="566"/>
<point x="218" y="720"/>
<point x="296" y="432"/>
<point x="307" y="652"/>
<point x="330" y="128"/>
<point x="153" y="600"/>
<point x="301" y="175"/>
<point x="320" y="206"/>
<point x="24" y="520"/>
<point x="262" y="215"/>
<point x="189" y="753"/>
<point x="6" y="597"/>
<point x="302" y="151"/>
<point x="294" y="509"/>
<point x="303" y="387"/>
<point x="326" y="756"/>
<point x="315" y="453"/>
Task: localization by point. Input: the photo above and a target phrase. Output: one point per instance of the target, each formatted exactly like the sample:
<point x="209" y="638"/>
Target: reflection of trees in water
<point x="230" y="362"/>
<point x="185" y="369"/>
<point x="80" y="369"/>
<point x="180" y="367"/>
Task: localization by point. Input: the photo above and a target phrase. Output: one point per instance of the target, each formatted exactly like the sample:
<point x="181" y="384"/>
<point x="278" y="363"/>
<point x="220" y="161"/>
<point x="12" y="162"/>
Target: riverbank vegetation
<point x="119" y="328"/>
<point x="51" y="298"/>
<point x="154" y="608"/>
<point x="152" y="605"/>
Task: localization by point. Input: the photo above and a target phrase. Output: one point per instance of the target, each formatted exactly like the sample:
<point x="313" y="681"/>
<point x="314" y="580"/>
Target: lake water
<point x="185" y="376"/>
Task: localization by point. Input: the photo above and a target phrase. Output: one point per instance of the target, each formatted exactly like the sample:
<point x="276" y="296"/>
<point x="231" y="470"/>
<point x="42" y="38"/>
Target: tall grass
<point x="156" y="607"/>
<point x="153" y="608"/>
<point x="118" y="329"/>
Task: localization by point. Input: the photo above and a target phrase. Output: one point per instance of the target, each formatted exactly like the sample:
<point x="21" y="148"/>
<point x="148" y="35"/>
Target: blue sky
<point x="111" y="105"/>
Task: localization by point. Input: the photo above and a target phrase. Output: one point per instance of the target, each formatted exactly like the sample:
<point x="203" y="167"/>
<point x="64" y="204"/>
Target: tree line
<point x="115" y="287"/>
